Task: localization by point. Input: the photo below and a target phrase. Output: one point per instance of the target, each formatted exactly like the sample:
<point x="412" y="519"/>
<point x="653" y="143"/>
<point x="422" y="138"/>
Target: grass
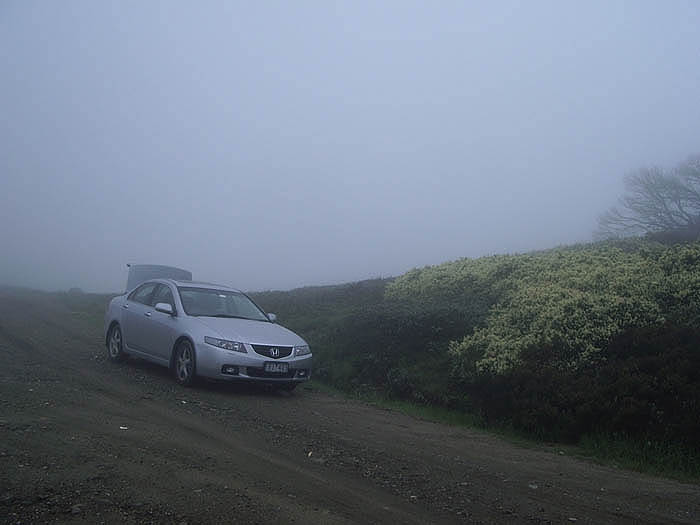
<point x="658" y="458"/>
<point x="667" y="459"/>
<point x="434" y="413"/>
<point x="428" y="412"/>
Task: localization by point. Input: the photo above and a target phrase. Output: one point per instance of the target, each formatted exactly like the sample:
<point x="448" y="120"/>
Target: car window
<point x="163" y="295"/>
<point x="142" y="294"/>
<point x="219" y="303"/>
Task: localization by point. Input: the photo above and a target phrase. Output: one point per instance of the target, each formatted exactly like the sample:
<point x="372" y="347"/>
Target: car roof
<point x="191" y="284"/>
<point x="200" y="284"/>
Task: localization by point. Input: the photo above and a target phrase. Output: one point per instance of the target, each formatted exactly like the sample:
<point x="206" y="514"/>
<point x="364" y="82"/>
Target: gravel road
<point x="83" y="440"/>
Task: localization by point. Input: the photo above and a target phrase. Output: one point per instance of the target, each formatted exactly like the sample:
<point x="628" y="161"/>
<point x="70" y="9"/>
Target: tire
<point x="289" y="386"/>
<point x="115" y="345"/>
<point x="184" y="363"/>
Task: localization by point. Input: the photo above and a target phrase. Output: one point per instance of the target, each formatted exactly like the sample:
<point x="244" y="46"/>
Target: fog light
<point x="231" y="370"/>
<point x="301" y="373"/>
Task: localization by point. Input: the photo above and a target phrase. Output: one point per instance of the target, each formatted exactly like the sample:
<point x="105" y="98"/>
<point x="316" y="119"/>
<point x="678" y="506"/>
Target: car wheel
<point x="289" y="386"/>
<point x="184" y="364"/>
<point x="115" y="348"/>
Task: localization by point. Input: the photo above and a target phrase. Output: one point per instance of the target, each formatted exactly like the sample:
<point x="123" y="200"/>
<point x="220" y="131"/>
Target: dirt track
<point x="83" y="440"/>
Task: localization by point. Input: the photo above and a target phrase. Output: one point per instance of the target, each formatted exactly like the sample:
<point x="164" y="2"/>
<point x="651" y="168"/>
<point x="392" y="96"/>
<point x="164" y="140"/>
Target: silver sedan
<point x="204" y="330"/>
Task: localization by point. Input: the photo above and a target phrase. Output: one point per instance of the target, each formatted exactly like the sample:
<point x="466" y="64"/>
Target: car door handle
<point x="125" y="306"/>
<point x="147" y="314"/>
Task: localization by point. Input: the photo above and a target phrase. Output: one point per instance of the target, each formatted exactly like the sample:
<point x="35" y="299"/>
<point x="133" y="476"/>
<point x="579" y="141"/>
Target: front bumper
<point x="217" y="363"/>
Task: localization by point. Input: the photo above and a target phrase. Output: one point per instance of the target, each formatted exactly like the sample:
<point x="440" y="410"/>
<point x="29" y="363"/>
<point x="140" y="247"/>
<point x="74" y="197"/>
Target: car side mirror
<point x="165" y="308"/>
<point x="272" y="318"/>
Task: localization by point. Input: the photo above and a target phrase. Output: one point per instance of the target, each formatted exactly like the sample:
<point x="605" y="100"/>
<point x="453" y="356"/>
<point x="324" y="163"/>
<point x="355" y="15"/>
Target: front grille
<point x="267" y="351"/>
<point x="259" y="372"/>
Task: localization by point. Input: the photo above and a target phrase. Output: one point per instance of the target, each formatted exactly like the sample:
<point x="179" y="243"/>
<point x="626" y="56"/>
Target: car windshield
<point x="206" y="302"/>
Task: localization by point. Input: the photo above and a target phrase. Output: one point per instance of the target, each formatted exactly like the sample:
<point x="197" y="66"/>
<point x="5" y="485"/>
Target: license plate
<point x="279" y="368"/>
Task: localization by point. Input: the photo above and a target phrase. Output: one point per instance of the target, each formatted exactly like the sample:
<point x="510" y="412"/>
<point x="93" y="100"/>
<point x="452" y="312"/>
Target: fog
<point x="270" y="145"/>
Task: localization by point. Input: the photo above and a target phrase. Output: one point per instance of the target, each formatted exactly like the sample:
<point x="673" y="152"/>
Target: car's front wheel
<point x="115" y="347"/>
<point x="184" y="363"/>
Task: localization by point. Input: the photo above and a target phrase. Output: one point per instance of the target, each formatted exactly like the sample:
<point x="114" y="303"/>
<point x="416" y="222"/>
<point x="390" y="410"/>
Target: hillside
<point x="85" y="440"/>
<point x="563" y="343"/>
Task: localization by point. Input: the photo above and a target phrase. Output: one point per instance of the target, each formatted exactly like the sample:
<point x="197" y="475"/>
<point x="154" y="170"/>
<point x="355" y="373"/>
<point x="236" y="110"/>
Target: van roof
<point x="139" y="273"/>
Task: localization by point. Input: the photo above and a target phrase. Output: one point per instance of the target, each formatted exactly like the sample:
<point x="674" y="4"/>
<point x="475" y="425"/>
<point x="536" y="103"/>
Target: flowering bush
<point x="575" y="299"/>
<point x="588" y="338"/>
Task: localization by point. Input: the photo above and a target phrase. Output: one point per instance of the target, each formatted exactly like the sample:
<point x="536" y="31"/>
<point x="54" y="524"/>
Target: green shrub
<point x="648" y="385"/>
<point x="598" y="338"/>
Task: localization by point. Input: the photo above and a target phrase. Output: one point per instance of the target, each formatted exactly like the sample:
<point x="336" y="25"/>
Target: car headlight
<point x="302" y="350"/>
<point x="226" y="345"/>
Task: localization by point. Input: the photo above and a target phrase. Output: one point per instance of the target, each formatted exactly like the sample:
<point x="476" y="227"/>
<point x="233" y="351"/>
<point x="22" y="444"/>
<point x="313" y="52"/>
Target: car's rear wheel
<point x="184" y="363"/>
<point x="115" y="348"/>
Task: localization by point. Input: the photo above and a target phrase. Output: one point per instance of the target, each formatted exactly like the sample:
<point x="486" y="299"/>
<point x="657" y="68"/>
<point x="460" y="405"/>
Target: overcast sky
<point x="271" y="145"/>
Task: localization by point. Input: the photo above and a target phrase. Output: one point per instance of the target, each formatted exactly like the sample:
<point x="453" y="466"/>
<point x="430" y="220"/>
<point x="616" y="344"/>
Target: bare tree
<point x="656" y="201"/>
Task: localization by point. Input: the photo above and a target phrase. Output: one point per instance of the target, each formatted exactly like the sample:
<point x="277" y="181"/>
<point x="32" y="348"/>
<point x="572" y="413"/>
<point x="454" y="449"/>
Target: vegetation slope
<point x="595" y="339"/>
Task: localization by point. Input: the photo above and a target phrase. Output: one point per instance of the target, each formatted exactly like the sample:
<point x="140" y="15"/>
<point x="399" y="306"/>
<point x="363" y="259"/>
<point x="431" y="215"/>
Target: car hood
<point x="256" y="332"/>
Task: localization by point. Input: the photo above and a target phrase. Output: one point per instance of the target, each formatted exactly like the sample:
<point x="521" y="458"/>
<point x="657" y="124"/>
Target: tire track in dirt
<point x="101" y="398"/>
